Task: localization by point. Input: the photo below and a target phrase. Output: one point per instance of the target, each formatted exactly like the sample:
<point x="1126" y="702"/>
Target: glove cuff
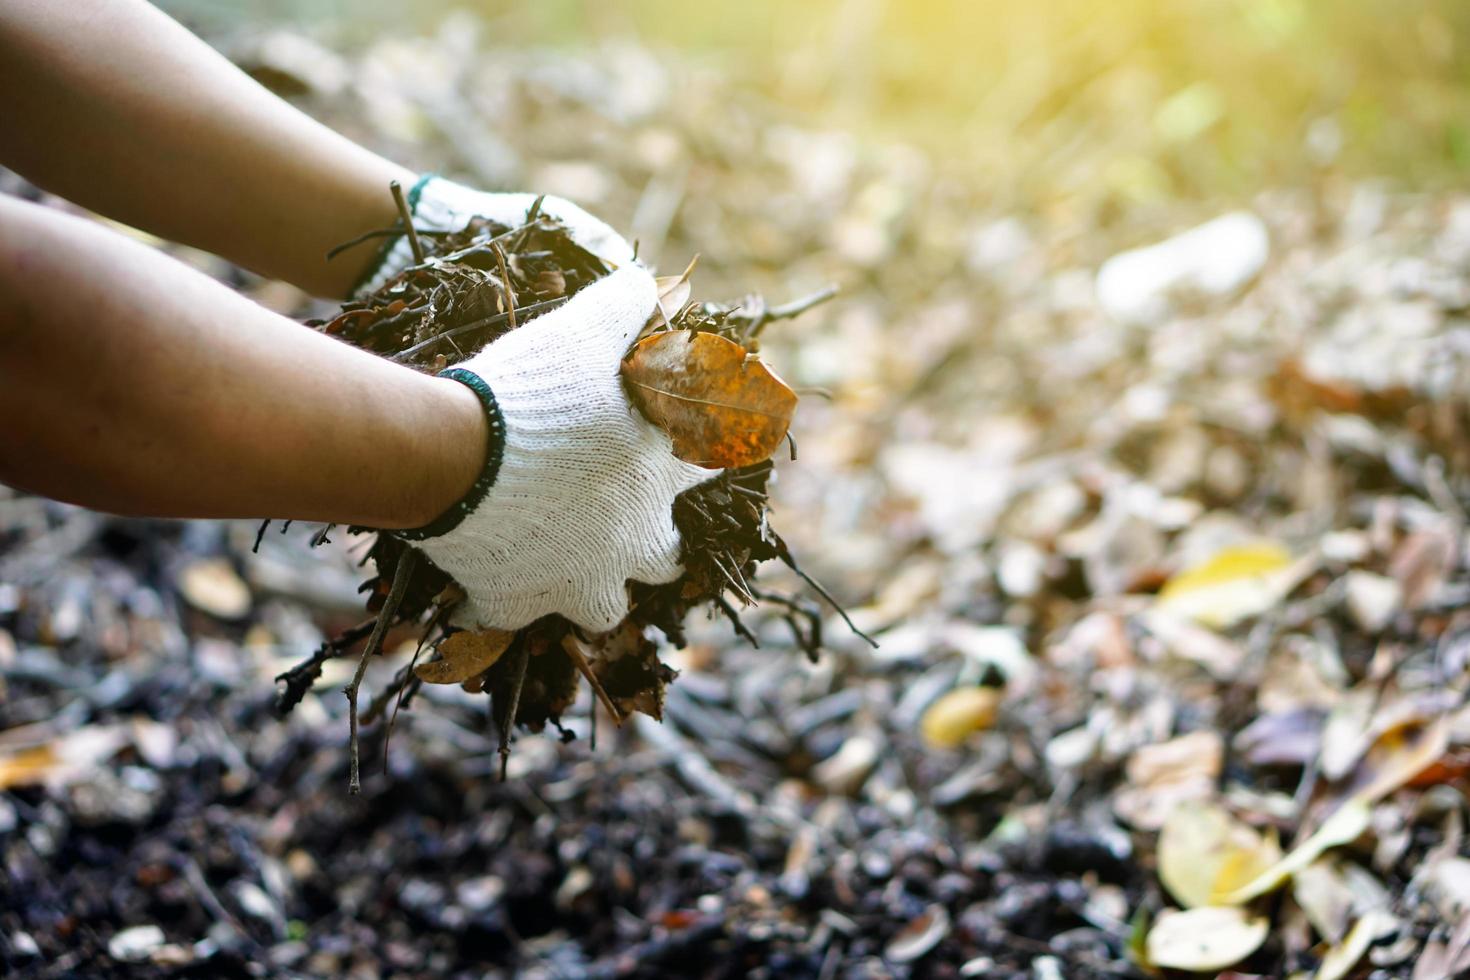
<point x="494" y="453"/>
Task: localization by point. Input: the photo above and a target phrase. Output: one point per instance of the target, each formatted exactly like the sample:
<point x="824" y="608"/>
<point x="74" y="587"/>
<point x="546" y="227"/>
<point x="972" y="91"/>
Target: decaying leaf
<point x="1235" y="584"/>
<point x="1205" y="854"/>
<point x="1162" y="776"/>
<point x="958" y="714"/>
<point x="465" y="655"/>
<point x="61" y="760"/>
<point x="1345" y="824"/>
<point x="1399" y="754"/>
<point x="212" y="586"/>
<point x="1204" y="939"/>
<point x="722" y="408"/>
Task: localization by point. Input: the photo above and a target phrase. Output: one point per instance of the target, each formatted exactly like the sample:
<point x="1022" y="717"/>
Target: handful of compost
<point x="630" y="436"/>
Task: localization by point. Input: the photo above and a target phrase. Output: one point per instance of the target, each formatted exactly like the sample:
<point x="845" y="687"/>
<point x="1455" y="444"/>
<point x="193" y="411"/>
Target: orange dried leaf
<point x="721" y="408"/>
<point x="465" y="655"/>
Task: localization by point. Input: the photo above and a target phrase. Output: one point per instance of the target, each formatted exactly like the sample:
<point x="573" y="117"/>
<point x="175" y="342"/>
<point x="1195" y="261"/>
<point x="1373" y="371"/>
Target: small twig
<point x="489" y="321"/>
<point x="508" y="723"/>
<point x="788" y="310"/>
<point x="736" y="584"/>
<point x="368" y="236"/>
<point x="507" y="290"/>
<point x="406" y="216"/>
<point x="401" y="575"/>
<point x="810" y="642"/>
<point x="735" y="567"/>
<point x="260" y="536"/>
<point x="300" y="678"/>
<point x="784" y="554"/>
<point x="408" y="678"/>
<point x="733" y="615"/>
<point x="573" y="646"/>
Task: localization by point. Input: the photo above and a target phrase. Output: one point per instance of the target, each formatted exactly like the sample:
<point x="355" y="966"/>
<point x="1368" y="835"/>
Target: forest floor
<point x="1203" y="546"/>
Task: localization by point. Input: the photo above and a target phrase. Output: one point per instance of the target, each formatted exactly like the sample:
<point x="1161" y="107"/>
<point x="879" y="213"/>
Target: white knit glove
<point x="443" y="205"/>
<point x="583" y="497"/>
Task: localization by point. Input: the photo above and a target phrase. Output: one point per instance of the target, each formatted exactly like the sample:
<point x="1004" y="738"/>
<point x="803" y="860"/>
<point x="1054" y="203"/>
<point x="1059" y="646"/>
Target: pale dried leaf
<point x="1205" y="854"/>
<point x="212" y="586"/>
<point x="1341" y="958"/>
<point x="1344" y="826"/>
<point x="1204" y="939"/>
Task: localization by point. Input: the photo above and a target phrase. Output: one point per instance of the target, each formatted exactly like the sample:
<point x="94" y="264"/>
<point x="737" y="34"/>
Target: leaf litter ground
<point x="1209" y="568"/>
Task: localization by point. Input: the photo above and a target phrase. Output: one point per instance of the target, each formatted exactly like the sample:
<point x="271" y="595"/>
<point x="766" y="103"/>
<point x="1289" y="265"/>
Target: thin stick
<point x="406" y="216"/>
<point x="734" y="616"/>
<point x="523" y="661"/>
<point x="368" y="236"/>
<point x="489" y="321"/>
<point x="737" y="585"/>
<point x="300" y="678"/>
<point x="735" y="566"/>
<point x="507" y="290"/>
<point x="785" y="555"/>
<point x="573" y="647"/>
<point x="401" y="575"/>
<point x="788" y="310"/>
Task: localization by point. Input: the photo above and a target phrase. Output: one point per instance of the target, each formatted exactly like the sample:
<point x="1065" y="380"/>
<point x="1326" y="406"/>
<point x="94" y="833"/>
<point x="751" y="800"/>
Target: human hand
<point x="581" y="497"/>
<point x="443" y="205"/>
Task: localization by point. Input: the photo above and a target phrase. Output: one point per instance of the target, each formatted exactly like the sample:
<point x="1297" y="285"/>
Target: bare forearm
<point x="133" y="384"/>
<point x="115" y="106"/>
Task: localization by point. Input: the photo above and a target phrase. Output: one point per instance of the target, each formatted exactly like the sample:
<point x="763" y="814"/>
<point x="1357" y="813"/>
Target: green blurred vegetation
<point x="1129" y="102"/>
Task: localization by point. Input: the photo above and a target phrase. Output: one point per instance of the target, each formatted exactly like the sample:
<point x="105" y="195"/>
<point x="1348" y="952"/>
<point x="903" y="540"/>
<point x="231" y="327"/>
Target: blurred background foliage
<point x="1058" y="104"/>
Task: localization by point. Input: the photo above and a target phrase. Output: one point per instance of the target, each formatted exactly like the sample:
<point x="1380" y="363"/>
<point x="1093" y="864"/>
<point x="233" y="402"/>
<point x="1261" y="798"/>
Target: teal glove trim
<point x="494" y="450"/>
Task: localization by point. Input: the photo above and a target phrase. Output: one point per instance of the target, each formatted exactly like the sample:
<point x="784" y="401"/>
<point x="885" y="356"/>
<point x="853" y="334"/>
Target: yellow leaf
<point x="465" y="655"/>
<point x="1204" y="939"/>
<point x="63" y="759"/>
<point x="1205" y="854"/>
<point x="958" y="714"/>
<point x="1235" y="584"/>
<point x="1344" y="826"/>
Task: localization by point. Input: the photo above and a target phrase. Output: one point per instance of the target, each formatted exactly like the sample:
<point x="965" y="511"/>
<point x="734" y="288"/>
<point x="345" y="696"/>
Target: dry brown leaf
<point x="1397" y="755"/>
<point x="721" y="408"/>
<point x="465" y="655"/>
